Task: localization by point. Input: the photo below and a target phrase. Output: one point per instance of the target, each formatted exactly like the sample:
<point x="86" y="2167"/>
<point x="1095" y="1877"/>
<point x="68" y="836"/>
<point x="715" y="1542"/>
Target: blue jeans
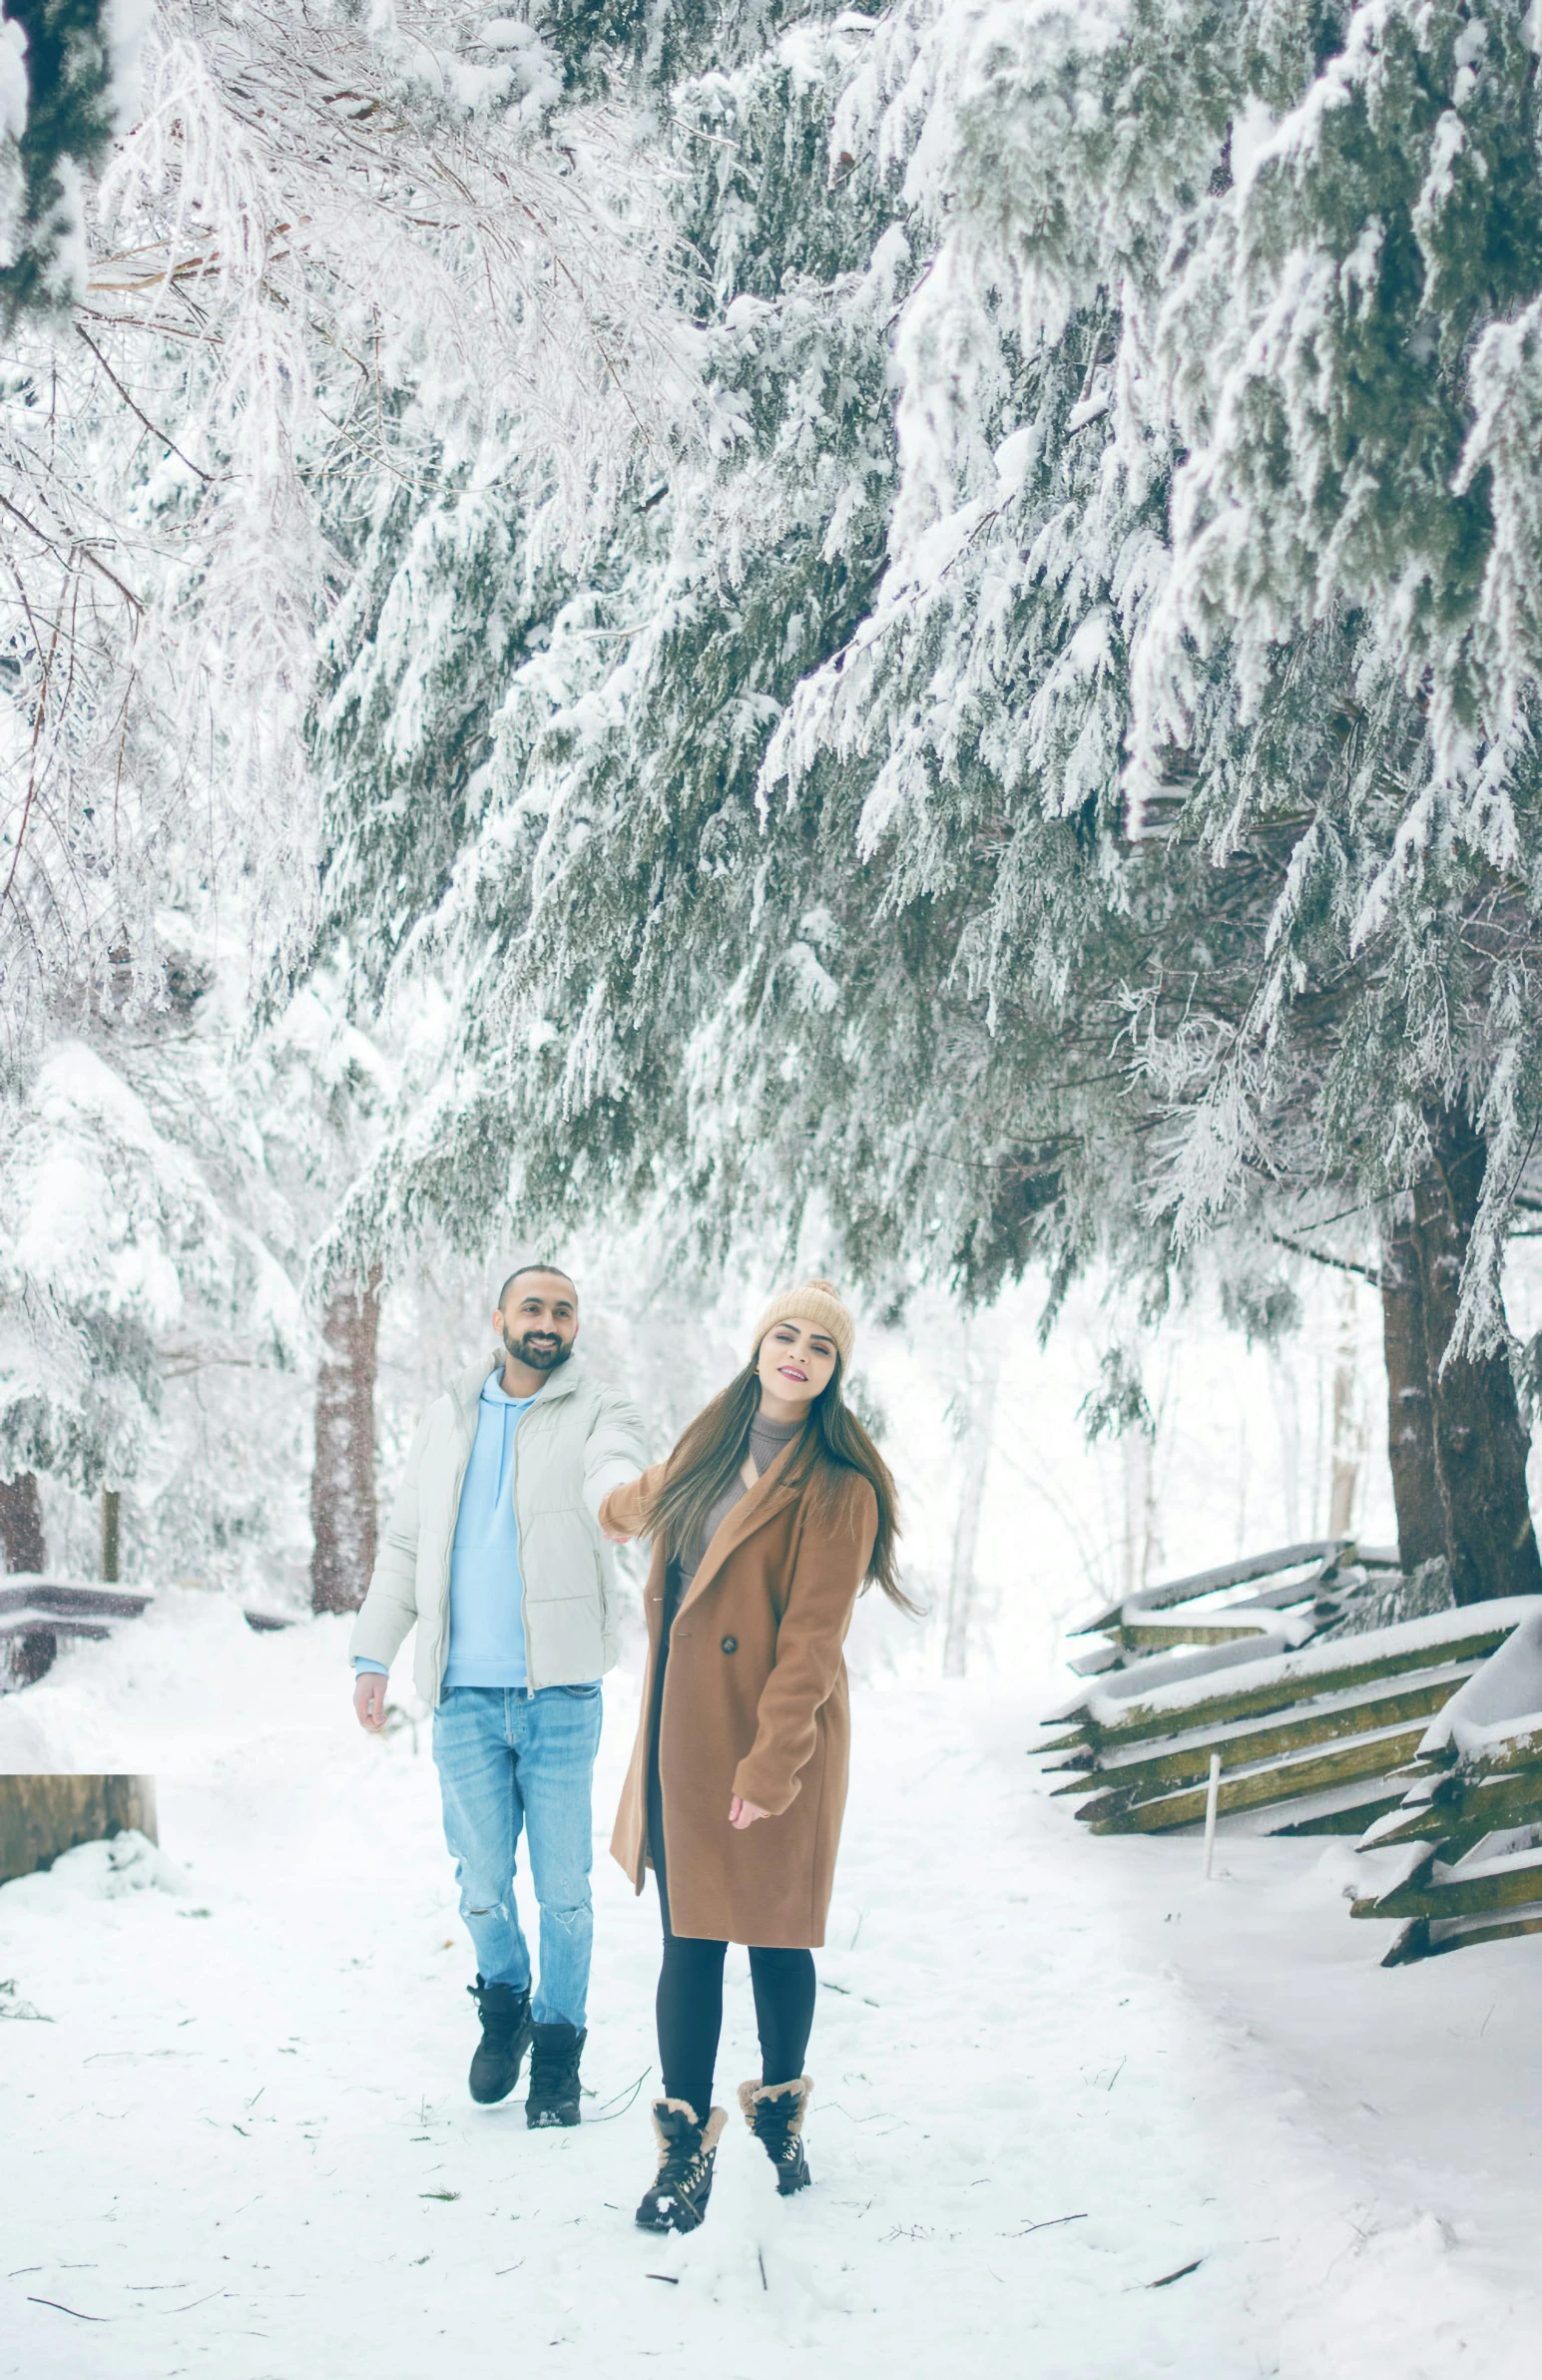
<point x="508" y="1758"/>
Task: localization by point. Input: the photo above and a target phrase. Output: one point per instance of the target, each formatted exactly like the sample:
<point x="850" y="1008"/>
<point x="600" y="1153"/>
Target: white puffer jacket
<point x="576" y="1443"/>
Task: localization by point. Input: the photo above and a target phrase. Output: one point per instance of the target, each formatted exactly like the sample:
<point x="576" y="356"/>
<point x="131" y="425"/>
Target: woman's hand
<point x="613" y="1537"/>
<point x="744" y="1813"/>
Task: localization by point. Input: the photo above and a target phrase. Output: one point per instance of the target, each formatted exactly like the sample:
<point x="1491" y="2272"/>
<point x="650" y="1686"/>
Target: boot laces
<point x="500" y="2018"/>
<point x="773" y="2121"/>
<point x="685" y="2162"/>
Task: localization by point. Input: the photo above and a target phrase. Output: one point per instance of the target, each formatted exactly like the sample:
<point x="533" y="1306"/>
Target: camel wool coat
<point x="754" y="1703"/>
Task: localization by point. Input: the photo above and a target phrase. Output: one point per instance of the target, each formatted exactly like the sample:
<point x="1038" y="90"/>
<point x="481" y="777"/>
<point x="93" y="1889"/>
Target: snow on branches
<point x="329" y="245"/>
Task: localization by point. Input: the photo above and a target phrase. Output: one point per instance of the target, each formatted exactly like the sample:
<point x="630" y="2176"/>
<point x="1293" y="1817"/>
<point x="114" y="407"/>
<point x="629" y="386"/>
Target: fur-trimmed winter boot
<point x="678" y="2199"/>
<point x="554" y="2087"/>
<point x="775" y="2113"/>
<point x="500" y="2053"/>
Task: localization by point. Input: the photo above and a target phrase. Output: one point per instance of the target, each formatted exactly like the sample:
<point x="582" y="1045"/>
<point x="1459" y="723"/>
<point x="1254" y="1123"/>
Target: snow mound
<point x="131" y="1863"/>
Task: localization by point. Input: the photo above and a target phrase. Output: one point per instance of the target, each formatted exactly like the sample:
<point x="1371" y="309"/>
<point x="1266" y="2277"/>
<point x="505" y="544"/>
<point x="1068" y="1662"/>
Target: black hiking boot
<point x="505" y="2015"/>
<point x="775" y="2113"/>
<point x="553" y="2094"/>
<point x="678" y="2199"/>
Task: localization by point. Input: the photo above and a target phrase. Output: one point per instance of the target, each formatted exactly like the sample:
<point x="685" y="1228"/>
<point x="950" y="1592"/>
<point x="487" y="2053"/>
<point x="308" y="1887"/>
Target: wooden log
<point x="41" y="1817"/>
<point x="1254" y="1789"/>
<point x="1353" y="1819"/>
<point x="66" y="1598"/>
<point x="1425" y="1894"/>
<point x="1457" y="1827"/>
<point x="1093" y="1664"/>
<point x="1186" y="1763"/>
<point x="1139" y="1720"/>
<point x="1228" y="1574"/>
<point x="1419" y="1938"/>
<point x="1281" y="1599"/>
<point x="1165" y="1636"/>
<point x="1504" y="1758"/>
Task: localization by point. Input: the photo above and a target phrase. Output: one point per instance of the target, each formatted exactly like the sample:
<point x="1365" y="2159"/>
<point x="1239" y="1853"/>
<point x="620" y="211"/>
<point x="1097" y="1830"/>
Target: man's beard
<point x="537" y="1358"/>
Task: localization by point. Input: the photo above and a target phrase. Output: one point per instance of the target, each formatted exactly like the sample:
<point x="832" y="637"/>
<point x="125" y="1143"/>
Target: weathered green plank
<point x="1254" y="1789"/>
<point x="1503" y="1758"/>
<point x="1228" y="1574"/>
<point x="1269" y="1739"/>
<point x="1426" y="1895"/>
<point x="1351" y="1820"/>
<point x="1463" y="1813"/>
<point x="1144" y="1720"/>
<point x="1419" y="1940"/>
<point x="1170" y="1635"/>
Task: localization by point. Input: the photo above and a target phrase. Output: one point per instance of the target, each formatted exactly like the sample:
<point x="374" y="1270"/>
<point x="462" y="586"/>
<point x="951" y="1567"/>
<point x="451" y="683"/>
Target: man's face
<point x="538" y="1321"/>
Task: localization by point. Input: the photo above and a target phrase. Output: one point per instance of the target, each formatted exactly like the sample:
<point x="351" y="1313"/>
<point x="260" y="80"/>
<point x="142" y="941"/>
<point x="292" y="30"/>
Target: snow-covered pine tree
<point x="66" y="76"/>
<point x="1092" y="806"/>
<point x="328" y="249"/>
<point x="124" y="1271"/>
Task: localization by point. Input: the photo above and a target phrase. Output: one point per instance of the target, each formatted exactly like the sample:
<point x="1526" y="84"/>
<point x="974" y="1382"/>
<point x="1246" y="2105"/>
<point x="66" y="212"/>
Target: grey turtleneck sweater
<point x="766" y="1440"/>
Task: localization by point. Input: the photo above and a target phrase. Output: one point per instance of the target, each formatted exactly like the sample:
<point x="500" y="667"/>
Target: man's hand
<point x="742" y="1813"/>
<point x="369" y="1699"/>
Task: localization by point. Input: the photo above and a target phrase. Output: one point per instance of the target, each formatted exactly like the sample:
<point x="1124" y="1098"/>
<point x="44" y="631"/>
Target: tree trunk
<point x="112" y="1532"/>
<point x="342" y="1481"/>
<point x="1480" y="1441"/>
<point x="1349" y="1436"/>
<point x="21" y="1522"/>
<point x="1410" y="1432"/>
<point x="974" y="1450"/>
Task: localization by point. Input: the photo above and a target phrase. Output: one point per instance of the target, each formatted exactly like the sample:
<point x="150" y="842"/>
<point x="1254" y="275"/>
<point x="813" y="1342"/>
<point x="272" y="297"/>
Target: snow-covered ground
<point x="1052" y="2074"/>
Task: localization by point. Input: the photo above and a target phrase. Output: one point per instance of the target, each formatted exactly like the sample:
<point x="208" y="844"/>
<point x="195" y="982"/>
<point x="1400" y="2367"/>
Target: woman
<point x="771" y="1511"/>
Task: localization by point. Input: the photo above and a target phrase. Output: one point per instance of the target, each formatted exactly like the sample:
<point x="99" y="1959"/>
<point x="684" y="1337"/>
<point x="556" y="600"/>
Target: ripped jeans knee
<point x="575" y="1921"/>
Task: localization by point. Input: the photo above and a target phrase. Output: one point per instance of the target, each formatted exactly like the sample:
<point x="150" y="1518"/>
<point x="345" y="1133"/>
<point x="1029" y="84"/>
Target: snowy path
<point x="243" y="2146"/>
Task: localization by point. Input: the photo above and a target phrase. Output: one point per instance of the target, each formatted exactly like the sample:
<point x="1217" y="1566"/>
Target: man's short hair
<point x="519" y="1273"/>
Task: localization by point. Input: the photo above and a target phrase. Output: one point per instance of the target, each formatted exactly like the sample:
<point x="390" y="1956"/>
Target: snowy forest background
<point x="713" y="637"/>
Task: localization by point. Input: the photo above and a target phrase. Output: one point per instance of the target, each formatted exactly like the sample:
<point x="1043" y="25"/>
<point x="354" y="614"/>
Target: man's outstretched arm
<point x="617" y="1449"/>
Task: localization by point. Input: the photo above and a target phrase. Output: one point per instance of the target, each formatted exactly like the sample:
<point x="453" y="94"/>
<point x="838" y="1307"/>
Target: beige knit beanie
<point x="819" y="1303"/>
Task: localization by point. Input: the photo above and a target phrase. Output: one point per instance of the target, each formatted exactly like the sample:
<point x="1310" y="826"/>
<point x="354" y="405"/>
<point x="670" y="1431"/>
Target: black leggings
<point x="690" y="1999"/>
<point x="689" y="2010"/>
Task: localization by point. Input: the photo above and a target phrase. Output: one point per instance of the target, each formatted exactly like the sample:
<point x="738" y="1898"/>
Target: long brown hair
<point x="710" y="1452"/>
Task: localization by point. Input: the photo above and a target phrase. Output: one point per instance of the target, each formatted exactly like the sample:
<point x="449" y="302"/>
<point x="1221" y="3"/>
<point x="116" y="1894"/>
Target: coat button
<point x="730" y="1643"/>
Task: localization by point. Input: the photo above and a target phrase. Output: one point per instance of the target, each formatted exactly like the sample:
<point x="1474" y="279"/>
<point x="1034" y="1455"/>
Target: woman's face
<point x="794" y="1363"/>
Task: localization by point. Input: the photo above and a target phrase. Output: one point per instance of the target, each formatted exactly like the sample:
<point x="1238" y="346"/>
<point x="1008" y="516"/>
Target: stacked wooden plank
<point x="1274" y="1600"/>
<point x="1470" y="1820"/>
<point x="1315" y="1731"/>
<point x="37" y="1612"/>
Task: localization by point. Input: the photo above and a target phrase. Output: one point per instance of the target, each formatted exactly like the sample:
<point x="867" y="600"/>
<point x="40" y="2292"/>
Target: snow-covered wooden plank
<point x="1434" y="1891"/>
<point x="1157" y="1635"/>
<point x="38" y="1593"/>
<point x="1243" y="1740"/>
<point x="1347" y="1809"/>
<point x="1504" y="1701"/>
<point x="1209" y="1582"/>
<point x="1424" y="1938"/>
<point x="24" y="1621"/>
<point x="1368" y="1755"/>
<point x="1121" y="1708"/>
<point x="1090" y="1665"/>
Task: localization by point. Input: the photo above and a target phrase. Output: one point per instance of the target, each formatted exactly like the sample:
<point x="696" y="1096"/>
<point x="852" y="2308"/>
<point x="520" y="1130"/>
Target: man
<point x="494" y="1550"/>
